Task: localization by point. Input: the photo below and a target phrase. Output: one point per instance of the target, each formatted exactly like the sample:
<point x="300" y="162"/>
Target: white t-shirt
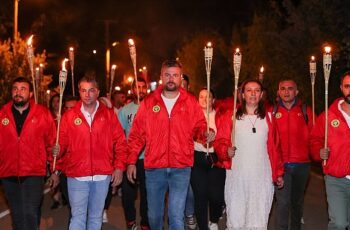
<point x="169" y="102"/>
<point x="347" y="118"/>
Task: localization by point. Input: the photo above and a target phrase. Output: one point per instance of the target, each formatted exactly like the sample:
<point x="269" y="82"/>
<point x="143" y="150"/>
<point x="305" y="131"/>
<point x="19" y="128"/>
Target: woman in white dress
<point x="253" y="164"/>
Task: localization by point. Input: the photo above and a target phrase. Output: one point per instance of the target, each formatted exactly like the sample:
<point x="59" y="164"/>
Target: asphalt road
<point x="315" y="211"/>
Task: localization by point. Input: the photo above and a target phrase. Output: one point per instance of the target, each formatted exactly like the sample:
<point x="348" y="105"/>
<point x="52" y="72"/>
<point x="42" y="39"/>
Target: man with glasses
<point x="93" y="153"/>
<point x="165" y="125"/>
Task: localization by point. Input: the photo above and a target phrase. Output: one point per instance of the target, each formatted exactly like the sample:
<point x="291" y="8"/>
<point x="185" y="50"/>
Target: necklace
<point x="253" y="123"/>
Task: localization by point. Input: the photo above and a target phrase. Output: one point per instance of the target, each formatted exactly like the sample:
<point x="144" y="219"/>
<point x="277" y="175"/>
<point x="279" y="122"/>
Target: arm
<point x="222" y="142"/>
<point x="317" y="138"/>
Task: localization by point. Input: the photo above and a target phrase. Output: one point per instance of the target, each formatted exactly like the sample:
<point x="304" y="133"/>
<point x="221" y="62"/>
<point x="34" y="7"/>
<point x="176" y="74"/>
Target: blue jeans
<point x="189" y="210"/>
<point x="87" y="199"/>
<point x="158" y="181"/>
<point x="338" y="198"/>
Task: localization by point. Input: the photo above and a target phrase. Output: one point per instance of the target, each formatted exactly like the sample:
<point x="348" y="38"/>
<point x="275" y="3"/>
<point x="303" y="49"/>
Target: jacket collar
<point x="157" y="93"/>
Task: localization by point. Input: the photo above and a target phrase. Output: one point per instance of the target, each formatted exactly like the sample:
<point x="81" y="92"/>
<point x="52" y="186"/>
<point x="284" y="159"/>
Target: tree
<point x="13" y="56"/>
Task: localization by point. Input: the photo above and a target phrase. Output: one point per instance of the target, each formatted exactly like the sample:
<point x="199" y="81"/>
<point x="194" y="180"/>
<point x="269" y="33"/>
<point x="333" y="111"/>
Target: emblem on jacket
<point x="335" y="123"/>
<point x="156" y="108"/>
<point x="278" y="115"/>
<point x="5" y="121"/>
<point x="78" y="121"/>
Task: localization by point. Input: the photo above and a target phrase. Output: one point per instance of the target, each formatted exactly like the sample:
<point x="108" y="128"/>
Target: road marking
<point x="7" y="211"/>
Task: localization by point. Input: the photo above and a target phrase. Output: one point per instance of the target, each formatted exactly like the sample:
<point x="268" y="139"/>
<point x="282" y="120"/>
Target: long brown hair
<point x="260" y="111"/>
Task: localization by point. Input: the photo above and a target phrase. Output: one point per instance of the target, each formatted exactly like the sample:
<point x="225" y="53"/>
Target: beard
<point x="171" y="86"/>
<point x="347" y="99"/>
<point x="19" y="103"/>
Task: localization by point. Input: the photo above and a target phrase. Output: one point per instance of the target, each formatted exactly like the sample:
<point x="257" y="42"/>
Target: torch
<point x="71" y="62"/>
<point x="313" y="78"/>
<point x="208" y="58"/>
<point x="62" y="83"/>
<point x="30" y="56"/>
<point x="261" y="74"/>
<point x="237" y="60"/>
<point x="112" y="79"/>
<point x="132" y="49"/>
<point x="37" y="80"/>
<point x="48" y="93"/>
<point x="327" y="64"/>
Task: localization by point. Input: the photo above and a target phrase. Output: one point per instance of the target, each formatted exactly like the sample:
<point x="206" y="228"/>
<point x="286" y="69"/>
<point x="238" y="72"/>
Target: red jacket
<point x="169" y="140"/>
<point x="26" y="155"/>
<point x="338" y="163"/>
<point x="294" y="133"/>
<point x="223" y="142"/>
<point x="86" y="151"/>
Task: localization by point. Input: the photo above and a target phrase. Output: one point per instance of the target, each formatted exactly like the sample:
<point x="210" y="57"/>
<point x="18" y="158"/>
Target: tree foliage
<point x="14" y="63"/>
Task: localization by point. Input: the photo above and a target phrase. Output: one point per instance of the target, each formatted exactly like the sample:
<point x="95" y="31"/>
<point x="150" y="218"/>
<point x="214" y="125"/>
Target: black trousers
<point x="24" y="196"/>
<point x="290" y="199"/>
<point x="208" y="185"/>
<point x="129" y="195"/>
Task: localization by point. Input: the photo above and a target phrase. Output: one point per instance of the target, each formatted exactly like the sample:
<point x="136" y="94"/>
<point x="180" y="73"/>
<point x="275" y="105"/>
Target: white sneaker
<point x="104" y="216"/>
<point x="213" y="226"/>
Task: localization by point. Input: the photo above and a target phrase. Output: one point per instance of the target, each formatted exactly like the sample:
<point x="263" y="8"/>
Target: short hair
<point x="347" y="73"/>
<point x="171" y="63"/>
<point x="23" y="79"/>
<point x="288" y="79"/>
<point x="186" y="78"/>
<point x="139" y="79"/>
<point x="90" y="79"/>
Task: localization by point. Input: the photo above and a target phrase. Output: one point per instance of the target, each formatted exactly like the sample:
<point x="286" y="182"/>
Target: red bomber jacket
<point x="86" y="151"/>
<point x="26" y="155"/>
<point x="294" y="133"/>
<point x="168" y="140"/>
<point x="223" y="142"/>
<point x="338" y="163"/>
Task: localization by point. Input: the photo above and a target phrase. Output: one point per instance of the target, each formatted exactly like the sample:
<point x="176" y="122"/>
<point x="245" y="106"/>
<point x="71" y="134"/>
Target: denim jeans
<point x="158" y="182"/>
<point x="338" y="198"/>
<point x="24" y="195"/>
<point x="290" y="199"/>
<point x="87" y="199"/>
<point x="189" y="209"/>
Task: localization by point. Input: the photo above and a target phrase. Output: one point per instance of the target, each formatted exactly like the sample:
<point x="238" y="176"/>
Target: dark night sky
<point x="158" y="26"/>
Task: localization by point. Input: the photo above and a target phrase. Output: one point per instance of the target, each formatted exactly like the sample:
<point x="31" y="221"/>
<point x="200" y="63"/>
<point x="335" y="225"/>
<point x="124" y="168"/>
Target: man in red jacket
<point x="294" y="123"/>
<point x="27" y="133"/>
<point x="336" y="157"/>
<point x="165" y="124"/>
<point x="93" y="153"/>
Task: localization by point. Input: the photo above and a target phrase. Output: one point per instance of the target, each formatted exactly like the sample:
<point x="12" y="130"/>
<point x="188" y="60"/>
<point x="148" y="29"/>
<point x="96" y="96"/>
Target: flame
<point x="209" y="45"/>
<point x="312" y="58"/>
<point x="48" y="92"/>
<point x="237" y="50"/>
<point x="261" y="69"/>
<point x="41" y="65"/>
<point x="37" y="69"/>
<point x="64" y="64"/>
<point x="144" y="68"/>
<point x="71" y="49"/>
<point x="130" y="79"/>
<point x="327" y="49"/>
<point x="114" y="67"/>
<point x="30" y="40"/>
<point x="131" y="42"/>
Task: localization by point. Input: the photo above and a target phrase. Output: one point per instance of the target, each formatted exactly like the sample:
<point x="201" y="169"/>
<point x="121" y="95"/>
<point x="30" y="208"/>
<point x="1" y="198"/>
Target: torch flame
<point x="41" y="65"/>
<point x="131" y="42"/>
<point x="262" y="69"/>
<point x="114" y="67"/>
<point x="30" y="40"/>
<point x="144" y="68"/>
<point x="64" y="64"/>
<point x="209" y="44"/>
<point x="327" y="49"/>
<point x="48" y="91"/>
<point x="71" y="49"/>
<point x="237" y="50"/>
<point x="312" y="58"/>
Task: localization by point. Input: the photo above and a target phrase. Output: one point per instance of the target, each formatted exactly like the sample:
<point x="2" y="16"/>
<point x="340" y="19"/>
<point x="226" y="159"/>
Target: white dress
<point x="249" y="187"/>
